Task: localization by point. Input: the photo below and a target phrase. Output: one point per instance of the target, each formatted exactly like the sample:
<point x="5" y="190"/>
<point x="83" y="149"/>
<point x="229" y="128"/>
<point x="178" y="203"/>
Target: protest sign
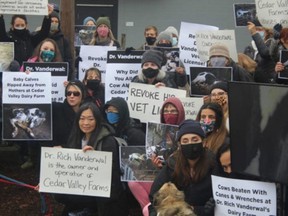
<point x="72" y="171"/>
<point x="135" y="165"/>
<point x="6" y="55"/>
<point x="187" y="44"/>
<point x="244" y="13"/>
<point x="59" y="71"/>
<point x="205" y="39"/>
<point x="201" y="78"/>
<point x="27" y="7"/>
<point x="191" y="106"/>
<point x="122" y="67"/>
<point x="271" y="12"/>
<point x="27" y="106"/>
<point x="145" y="101"/>
<point x="93" y="56"/>
<point x="243" y="197"/>
<point x="83" y="35"/>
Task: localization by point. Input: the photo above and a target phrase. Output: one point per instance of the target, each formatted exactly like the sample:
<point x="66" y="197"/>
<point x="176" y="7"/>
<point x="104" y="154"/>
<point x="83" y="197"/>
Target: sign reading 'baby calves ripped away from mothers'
<point x="72" y="171"/>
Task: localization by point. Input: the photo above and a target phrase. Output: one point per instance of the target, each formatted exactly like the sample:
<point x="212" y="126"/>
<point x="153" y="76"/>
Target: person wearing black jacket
<point x="190" y="169"/>
<point x="24" y="41"/>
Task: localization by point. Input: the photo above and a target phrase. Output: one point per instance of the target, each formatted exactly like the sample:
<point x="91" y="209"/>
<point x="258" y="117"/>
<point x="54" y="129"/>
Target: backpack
<point x="121" y="142"/>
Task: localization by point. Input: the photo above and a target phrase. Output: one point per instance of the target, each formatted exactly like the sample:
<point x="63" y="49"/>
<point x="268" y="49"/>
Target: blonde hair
<point x="247" y="63"/>
<point x="95" y="36"/>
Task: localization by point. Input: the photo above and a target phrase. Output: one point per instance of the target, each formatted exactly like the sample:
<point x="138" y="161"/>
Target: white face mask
<point x="19" y="28"/>
<point x="218" y="61"/>
<point x="54" y="27"/>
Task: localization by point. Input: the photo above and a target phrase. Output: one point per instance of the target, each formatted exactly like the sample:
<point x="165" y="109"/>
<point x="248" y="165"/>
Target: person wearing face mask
<point x="95" y="89"/>
<point x="24" y="41"/>
<point x="189" y="168"/>
<point x="63" y="44"/>
<point x="219" y="57"/>
<point x="259" y="51"/>
<point x="150" y="34"/>
<point x="175" y="36"/>
<point x="103" y="35"/>
<point x="212" y="122"/>
<point x="165" y="40"/>
<point x="151" y="73"/>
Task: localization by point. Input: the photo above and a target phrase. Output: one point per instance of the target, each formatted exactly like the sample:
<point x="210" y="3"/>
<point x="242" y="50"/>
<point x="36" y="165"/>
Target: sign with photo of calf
<point x="26" y="106"/>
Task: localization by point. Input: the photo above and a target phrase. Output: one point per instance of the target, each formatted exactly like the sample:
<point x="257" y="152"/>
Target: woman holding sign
<point x="91" y="133"/>
<point x="190" y="168"/>
<point x="24" y="41"/>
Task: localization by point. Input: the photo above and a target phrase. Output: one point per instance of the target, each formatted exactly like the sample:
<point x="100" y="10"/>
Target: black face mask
<point x="150" y="72"/>
<point x="164" y="45"/>
<point x="150" y="40"/>
<point x="192" y="151"/>
<point x="93" y="84"/>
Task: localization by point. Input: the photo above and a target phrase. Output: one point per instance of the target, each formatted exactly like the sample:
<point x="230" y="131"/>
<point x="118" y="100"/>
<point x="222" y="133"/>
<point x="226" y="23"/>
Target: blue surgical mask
<point x="207" y="126"/>
<point x="47" y="55"/>
<point x="218" y="61"/>
<point x="174" y="41"/>
<point x="112" y="117"/>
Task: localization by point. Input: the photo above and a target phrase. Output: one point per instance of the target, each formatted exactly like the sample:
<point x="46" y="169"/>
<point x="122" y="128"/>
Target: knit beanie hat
<point x="88" y="19"/>
<point x="219" y="50"/>
<point x="219" y="85"/>
<point x="55" y="14"/>
<point x="165" y="35"/>
<point x="77" y="83"/>
<point x="172" y="30"/>
<point x="103" y="20"/>
<point x="190" y="126"/>
<point x="154" y="56"/>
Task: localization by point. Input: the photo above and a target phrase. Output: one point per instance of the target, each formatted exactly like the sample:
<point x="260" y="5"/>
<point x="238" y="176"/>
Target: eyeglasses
<point x="170" y="112"/>
<point x="218" y="94"/>
<point x="75" y="93"/>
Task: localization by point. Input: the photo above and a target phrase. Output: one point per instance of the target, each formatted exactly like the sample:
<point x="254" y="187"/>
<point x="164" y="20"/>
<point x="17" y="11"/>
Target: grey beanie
<point x="172" y="30"/>
<point x="190" y="126"/>
<point x="165" y="35"/>
<point x="103" y="20"/>
<point x="154" y="56"/>
<point x="219" y="85"/>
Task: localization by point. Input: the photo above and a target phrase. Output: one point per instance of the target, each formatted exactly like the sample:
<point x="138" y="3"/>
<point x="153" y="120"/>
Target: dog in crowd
<point x="26" y="119"/>
<point x="169" y="201"/>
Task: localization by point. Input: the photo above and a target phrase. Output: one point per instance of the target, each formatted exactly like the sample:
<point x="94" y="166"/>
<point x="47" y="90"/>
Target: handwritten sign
<point x="145" y="101"/>
<point x="121" y="67"/>
<point x="271" y="12"/>
<point x="205" y="39"/>
<point x="187" y="44"/>
<point x="71" y="171"/>
<point x="59" y="71"/>
<point x="94" y="56"/>
<point x="191" y="106"/>
<point x="28" y="7"/>
<point x="242" y="197"/>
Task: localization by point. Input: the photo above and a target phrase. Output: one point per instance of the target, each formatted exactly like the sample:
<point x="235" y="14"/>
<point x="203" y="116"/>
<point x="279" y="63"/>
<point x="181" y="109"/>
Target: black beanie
<point x="220" y="85"/>
<point x="154" y="56"/>
<point x="79" y="84"/>
<point x="190" y="126"/>
<point x="55" y="14"/>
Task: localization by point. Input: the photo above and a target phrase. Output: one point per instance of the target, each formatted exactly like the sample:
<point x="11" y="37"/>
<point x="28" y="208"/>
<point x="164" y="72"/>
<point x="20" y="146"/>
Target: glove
<point x="276" y="31"/>
<point x="128" y="50"/>
<point x="209" y="206"/>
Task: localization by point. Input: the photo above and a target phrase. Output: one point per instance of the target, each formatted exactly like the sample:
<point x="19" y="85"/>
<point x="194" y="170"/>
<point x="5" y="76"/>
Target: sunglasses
<point x="75" y="93"/>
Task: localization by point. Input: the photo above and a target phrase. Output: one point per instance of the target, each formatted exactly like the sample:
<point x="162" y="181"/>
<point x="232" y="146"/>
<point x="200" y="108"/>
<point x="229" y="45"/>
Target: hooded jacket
<point x="127" y="128"/>
<point x="178" y="104"/>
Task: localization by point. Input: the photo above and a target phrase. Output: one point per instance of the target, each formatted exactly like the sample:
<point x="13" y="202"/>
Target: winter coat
<point x="239" y="73"/>
<point x="63" y="118"/>
<point x="127" y="128"/>
<point x="265" y="72"/>
<point x="96" y="96"/>
<point x="196" y="194"/>
<point x="161" y="77"/>
<point x="26" y="43"/>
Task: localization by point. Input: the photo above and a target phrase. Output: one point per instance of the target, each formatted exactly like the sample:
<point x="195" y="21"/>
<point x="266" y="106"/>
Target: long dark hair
<point x="182" y="174"/>
<point x="76" y="135"/>
<point x="58" y="56"/>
